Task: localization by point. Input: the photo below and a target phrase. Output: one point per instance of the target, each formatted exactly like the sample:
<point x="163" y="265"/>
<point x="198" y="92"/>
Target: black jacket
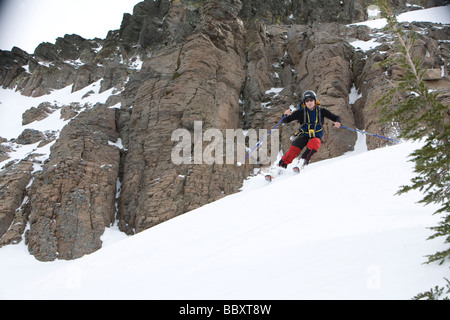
<point x="312" y="119"/>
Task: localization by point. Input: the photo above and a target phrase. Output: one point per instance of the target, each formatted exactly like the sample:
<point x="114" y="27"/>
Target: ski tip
<point x="269" y="178"/>
<point x="296" y="169"/>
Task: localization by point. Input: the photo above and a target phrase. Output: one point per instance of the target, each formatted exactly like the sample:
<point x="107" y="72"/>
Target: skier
<point x="311" y="116"/>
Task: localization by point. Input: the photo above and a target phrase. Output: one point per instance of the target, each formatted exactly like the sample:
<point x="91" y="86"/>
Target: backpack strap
<point x="319" y="112"/>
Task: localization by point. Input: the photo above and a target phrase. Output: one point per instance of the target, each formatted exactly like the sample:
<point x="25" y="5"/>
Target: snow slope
<point x="13" y="105"/>
<point x="435" y="15"/>
<point x="336" y="231"/>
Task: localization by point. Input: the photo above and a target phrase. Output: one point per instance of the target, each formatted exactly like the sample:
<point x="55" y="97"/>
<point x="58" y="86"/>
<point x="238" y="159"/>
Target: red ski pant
<point x="298" y="145"/>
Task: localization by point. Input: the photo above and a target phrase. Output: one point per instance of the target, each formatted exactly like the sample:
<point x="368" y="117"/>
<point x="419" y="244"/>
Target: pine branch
<point x="422" y="117"/>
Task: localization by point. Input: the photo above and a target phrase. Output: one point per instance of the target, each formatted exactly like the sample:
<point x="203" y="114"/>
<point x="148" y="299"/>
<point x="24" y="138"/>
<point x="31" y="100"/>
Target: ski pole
<point x="259" y="143"/>
<point x="371" y="134"/>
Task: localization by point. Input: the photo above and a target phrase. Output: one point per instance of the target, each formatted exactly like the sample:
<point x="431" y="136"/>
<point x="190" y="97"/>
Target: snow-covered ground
<point x="13" y="105"/>
<point x="436" y="15"/>
<point x="335" y="231"/>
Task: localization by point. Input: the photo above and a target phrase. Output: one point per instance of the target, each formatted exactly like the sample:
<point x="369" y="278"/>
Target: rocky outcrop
<point x="199" y="80"/>
<point x="73" y="198"/>
<point x="72" y="60"/>
<point x="13" y="201"/>
<point x="173" y="65"/>
<point x="373" y="80"/>
<point x="304" y="12"/>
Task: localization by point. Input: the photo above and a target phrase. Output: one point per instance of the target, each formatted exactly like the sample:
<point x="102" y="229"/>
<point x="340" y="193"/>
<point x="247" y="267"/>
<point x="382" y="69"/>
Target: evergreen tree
<point x="423" y="117"/>
<point x="435" y="293"/>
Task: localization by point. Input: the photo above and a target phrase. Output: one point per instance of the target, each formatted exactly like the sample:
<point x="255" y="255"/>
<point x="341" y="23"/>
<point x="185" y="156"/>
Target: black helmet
<point x="309" y="95"/>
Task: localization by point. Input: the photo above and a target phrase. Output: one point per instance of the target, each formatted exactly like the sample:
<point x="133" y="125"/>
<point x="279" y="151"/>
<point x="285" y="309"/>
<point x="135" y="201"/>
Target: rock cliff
<point x="172" y="65"/>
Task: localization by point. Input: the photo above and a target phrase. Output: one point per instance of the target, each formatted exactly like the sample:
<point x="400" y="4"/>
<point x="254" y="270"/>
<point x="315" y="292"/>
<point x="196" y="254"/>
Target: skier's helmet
<point x="309" y="95"/>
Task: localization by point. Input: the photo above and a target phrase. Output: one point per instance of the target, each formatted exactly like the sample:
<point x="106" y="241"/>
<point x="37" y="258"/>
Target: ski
<point x="273" y="173"/>
<point x="278" y="171"/>
<point x="301" y="165"/>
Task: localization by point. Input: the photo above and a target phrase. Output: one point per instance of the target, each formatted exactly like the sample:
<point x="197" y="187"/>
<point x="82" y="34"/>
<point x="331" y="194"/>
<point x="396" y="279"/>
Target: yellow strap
<point x="312" y="132"/>
<point x="317" y="116"/>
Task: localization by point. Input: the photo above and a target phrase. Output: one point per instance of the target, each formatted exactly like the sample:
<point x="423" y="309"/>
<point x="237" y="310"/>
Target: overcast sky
<point x="27" y="23"/>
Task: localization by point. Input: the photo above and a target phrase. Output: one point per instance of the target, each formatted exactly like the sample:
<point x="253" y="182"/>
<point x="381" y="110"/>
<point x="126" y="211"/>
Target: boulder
<point x="30" y="136"/>
<point x="432" y="74"/>
<point x="37" y="114"/>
